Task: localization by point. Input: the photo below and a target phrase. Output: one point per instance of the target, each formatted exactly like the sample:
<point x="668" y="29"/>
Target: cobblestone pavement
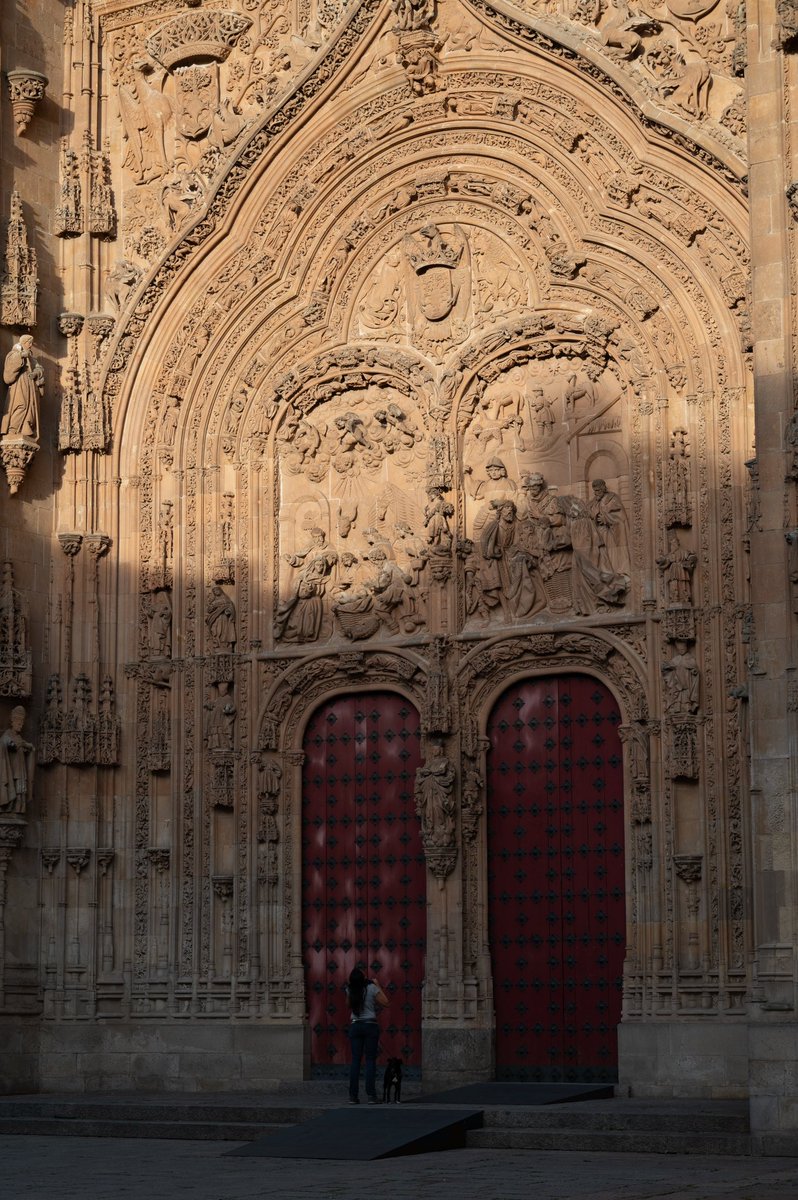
<point x="73" y="1168"/>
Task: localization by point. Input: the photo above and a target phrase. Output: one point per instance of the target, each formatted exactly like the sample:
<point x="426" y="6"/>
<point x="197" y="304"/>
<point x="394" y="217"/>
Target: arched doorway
<point x="557" y="913"/>
<point x="363" y="870"/>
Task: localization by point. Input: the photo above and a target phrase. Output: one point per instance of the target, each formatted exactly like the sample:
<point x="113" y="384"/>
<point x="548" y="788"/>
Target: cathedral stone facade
<point x="400" y="542"/>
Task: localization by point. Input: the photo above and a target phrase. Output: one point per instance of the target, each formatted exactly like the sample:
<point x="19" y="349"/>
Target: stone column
<point x="773" y="651"/>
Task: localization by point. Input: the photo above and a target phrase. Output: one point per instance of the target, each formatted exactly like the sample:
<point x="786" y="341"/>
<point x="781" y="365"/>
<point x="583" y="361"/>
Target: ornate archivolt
<point x="428" y="367"/>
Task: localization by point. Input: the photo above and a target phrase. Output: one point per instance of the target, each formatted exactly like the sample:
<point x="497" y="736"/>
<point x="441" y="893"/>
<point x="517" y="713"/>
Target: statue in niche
<point x="434" y="797"/>
<point x="220" y="619"/>
<point x="681" y="679"/>
<point x="166" y="533"/>
<point x="677" y="482"/>
<point x="637" y="739"/>
<point x="16" y="765"/>
<point x="677" y="568"/>
<point x="220" y="728"/>
<point x="437" y="514"/>
<point x="609" y="514"/>
<point x="159" y="625"/>
<point x="299" y="617"/>
<point x="24" y="379"/>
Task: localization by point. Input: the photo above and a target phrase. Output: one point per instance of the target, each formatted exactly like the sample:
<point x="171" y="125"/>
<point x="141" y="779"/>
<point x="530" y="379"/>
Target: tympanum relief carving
<point x="353" y="550"/>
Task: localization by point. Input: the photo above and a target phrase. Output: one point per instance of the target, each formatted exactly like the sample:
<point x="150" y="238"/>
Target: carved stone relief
<point x="19" y="280"/>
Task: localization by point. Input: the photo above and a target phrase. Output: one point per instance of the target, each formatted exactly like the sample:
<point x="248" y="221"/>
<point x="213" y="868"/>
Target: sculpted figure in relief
<point x="607" y="510"/>
<point x="146" y="112"/>
<point x="299" y="617"/>
<point x="437" y="514"/>
<point x="413" y="14"/>
<point x="220" y="619"/>
<point x="220" y="729"/>
<point x="677" y="568"/>
<point x="24" y="379"/>
<point x="681" y="678"/>
<point x="434" y="795"/>
<point x="16" y="765"/>
<point x="159" y="633"/>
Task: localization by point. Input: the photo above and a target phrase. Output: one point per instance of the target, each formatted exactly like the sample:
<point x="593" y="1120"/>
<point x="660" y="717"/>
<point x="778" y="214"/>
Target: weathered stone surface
<point x="423" y="351"/>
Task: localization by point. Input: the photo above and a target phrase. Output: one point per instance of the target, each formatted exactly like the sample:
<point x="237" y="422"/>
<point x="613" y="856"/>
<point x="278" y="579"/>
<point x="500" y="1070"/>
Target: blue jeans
<point x="365" y="1037"/>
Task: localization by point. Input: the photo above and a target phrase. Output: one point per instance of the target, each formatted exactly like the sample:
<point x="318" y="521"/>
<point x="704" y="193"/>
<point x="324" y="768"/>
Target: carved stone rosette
<point x="25" y="89"/>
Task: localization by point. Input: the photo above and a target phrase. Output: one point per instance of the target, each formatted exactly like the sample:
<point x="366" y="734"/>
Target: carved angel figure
<point x="145" y="114"/>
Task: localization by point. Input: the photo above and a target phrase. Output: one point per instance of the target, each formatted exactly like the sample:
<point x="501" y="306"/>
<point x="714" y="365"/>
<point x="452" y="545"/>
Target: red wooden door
<point x="363" y="870"/>
<point x="556" y="886"/>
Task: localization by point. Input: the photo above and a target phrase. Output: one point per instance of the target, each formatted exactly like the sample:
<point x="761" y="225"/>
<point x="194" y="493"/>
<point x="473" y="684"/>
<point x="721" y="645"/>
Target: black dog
<point x="392" y="1079"/>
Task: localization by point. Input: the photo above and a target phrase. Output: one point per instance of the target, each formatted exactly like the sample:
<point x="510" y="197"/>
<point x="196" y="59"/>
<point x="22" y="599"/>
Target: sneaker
<point x="353" y="1100"/>
<point x="373" y="1100"/>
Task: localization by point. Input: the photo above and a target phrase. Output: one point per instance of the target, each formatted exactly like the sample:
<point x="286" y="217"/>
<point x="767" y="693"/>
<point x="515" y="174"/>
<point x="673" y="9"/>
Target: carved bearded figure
<point x="24" y="378"/>
<point x="16" y="765"/>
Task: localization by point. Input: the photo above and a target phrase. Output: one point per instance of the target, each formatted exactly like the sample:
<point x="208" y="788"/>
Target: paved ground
<point x="70" y="1168"/>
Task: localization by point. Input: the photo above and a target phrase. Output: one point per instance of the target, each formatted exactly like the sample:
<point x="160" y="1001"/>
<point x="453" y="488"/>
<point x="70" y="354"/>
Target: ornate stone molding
<point x="25" y="89"/>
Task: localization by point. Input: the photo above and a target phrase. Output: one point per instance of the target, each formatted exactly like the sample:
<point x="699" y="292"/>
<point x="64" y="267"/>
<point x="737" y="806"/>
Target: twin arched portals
<point x="555" y="870"/>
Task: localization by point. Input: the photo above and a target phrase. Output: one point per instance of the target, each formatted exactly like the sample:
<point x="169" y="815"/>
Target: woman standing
<point x="366" y="998"/>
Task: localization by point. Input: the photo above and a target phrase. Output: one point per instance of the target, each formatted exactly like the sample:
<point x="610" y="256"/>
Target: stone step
<point x="152" y="1112"/>
<point x="216" y="1131"/>
<point x="611" y="1140"/>
<point x="732" y="1120"/>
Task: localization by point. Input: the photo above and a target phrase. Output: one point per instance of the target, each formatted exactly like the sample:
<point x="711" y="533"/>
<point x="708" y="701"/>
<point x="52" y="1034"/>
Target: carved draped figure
<point x="24" y="379"/>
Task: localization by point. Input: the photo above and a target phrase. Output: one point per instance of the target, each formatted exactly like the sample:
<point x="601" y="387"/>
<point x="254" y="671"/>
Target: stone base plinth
<point x="146" y="1056"/>
<point x="683" y="1058"/>
<point x="773" y="1052"/>
<point x="452" y="1057"/>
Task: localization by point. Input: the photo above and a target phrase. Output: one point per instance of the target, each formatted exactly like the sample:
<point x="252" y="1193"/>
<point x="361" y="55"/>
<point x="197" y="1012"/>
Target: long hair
<point x="357" y="990"/>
